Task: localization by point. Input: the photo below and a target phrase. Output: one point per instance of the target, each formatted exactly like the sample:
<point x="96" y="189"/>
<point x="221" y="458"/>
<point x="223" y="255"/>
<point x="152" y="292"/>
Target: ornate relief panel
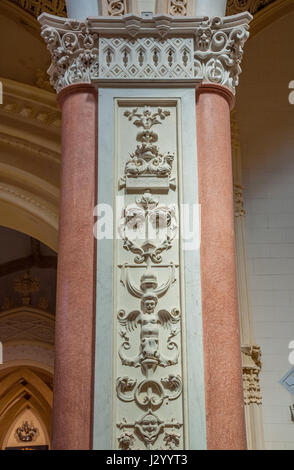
<point x="129" y="47"/>
<point x="146" y="58"/>
<point x="149" y="317"/>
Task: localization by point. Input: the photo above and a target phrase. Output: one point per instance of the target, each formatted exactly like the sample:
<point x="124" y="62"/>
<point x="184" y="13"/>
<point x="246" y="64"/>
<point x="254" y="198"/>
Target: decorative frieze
<point x="147" y="167"/>
<point x="146" y="58"/>
<point x="163" y="48"/>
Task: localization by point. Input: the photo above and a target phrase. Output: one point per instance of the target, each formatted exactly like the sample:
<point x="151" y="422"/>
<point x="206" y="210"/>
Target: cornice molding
<point x="132" y="48"/>
<point x="31" y="104"/>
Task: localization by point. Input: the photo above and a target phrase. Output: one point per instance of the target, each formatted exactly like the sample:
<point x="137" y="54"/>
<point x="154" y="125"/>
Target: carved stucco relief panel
<point x="148" y="313"/>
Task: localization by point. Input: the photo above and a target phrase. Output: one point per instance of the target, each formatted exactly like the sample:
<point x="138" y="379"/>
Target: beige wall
<point x="266" y="120"/>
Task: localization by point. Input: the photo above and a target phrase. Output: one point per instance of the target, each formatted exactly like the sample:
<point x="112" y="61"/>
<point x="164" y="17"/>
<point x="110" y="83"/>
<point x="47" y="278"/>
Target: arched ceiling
<point x="22" y="388"/>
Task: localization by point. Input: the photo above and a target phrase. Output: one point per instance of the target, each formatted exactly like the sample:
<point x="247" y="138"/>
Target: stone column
<point x="223" y="371"/>
<point x="251" y="354"/>
<point x="74" y="342"/>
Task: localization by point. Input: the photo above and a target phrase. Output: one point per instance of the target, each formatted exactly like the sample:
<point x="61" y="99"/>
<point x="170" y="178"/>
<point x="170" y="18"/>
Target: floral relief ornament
<point x="74" y="54"/>
<point x="217" y="49"/>
<point x="219" y="52"/>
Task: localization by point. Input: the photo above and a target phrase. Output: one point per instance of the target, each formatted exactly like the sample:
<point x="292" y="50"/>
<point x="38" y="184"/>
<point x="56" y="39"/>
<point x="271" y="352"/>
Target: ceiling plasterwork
<point x="253" y="6"/>
<point x="57" y="7"/>
<point x="36" y="7"/>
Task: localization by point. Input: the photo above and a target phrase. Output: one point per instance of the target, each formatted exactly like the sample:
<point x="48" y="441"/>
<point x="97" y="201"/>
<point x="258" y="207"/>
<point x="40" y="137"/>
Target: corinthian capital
<point x="219" y="49"/>
<point x="131" y="48"/>
<point x="74" y="51"/>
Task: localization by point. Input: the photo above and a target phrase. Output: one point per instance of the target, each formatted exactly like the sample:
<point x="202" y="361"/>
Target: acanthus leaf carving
<point x="156" y="224"/>
<point x="149" y="427"/>
<point x="74" y="52"/>
<point x="131" y="49"/>
<point x="147" y="162"/>
<point x="219" y="52"/>
<point x="172" y="440"/>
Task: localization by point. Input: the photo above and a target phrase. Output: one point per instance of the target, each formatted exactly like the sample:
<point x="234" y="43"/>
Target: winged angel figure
<point x="150" y="321"/>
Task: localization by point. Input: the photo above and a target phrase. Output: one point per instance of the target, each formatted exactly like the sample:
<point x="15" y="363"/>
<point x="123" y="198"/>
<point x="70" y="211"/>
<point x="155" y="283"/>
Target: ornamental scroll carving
<point x="147" y="162"/>
<point x="219" y="52"/>
<point x="74" y="52"/>
<point x="173" y="48"/>
<point x="149" y="382"/>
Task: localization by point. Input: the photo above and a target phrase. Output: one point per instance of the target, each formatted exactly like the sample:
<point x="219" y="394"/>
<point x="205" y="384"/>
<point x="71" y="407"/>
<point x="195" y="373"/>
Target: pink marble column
<point x="74" y="346"/>
<point x="223" y="371"/>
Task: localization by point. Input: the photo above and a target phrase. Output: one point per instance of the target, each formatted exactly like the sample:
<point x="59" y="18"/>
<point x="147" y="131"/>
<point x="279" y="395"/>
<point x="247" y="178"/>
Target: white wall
<point x="267" y="137"/>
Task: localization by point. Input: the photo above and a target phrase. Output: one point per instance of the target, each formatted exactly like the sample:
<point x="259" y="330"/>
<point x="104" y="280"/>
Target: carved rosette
<point x="116" y="7"/>
<point x="74" y="51"/>
<point x="129" y="48"/>
<point x="251" y="358"/>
